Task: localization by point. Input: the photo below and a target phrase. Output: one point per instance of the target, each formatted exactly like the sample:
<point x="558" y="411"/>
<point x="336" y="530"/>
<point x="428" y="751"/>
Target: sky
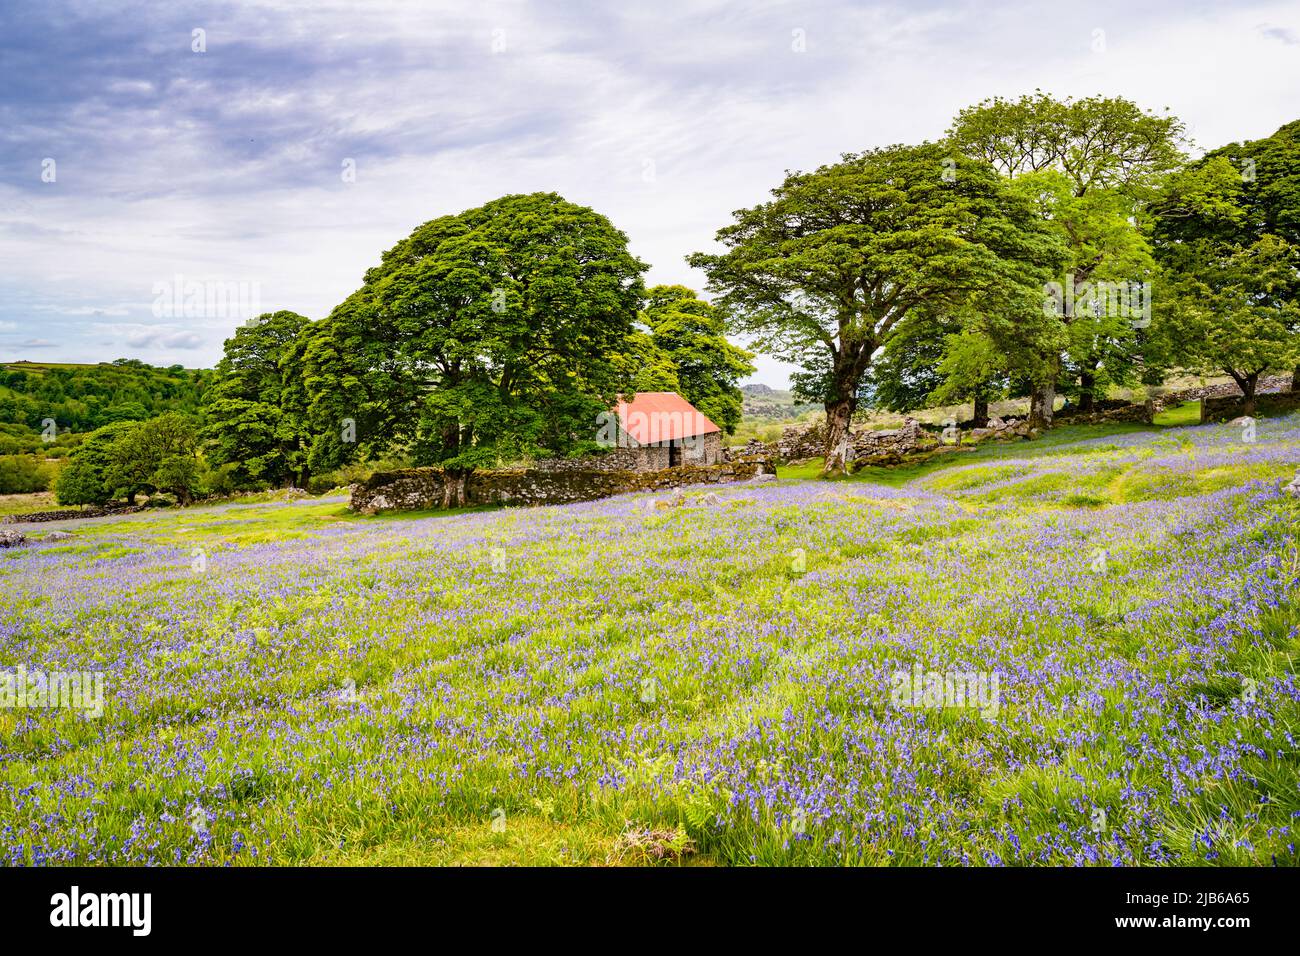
<point x="169" y="169"/>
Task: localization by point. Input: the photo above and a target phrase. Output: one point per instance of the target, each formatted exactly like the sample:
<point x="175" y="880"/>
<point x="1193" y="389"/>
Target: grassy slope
<point x="524" y="689"/>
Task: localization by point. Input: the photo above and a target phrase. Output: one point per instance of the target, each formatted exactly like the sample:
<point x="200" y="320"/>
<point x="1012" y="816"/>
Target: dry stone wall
<point x="1143" y="413"/>
<point x="800" y="442"/>
<point x="1267" y="384"/>
<point x="1227" y="408"/>
<point x="417" y="489"/>
<point x="67" y="514"/>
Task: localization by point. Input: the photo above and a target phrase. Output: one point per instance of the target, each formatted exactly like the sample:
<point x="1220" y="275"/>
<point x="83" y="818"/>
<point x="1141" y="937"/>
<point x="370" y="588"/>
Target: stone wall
<point x="1143" y="413"/>
<point x="1266" y="384"/>
<point x="1227" y="408"/>
<point x="69" y="513"/>
<point x="1221" y="402"/>
<point x="1000" y="428"/>
<point x="885" y="445"/>
<point x="417" y="489"/>
<point x="749" y="451"/>
<point x="800" y="442"/>
<point x="639" y="458"/>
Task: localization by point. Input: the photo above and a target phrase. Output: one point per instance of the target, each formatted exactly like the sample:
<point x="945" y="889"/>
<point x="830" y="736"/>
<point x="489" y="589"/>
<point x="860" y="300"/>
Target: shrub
<point x="23" y="474"/>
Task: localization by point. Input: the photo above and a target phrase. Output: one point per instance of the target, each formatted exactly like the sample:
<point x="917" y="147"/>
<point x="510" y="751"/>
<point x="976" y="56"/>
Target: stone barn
<point x="663" y="430"/>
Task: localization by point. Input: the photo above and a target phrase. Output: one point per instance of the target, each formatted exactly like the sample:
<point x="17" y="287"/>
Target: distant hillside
<point x="772" y="404"/>
<point x="81" y="398"/>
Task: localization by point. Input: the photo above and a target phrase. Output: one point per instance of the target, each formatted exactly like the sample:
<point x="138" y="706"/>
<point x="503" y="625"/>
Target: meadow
<point x="703" y="684"/>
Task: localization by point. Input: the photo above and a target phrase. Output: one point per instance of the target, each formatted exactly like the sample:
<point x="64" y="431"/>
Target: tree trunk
<point x="1087" y="386"/>
<point x="981" y="417"/>
<point x="1041" y="404"/>
<point x="1248" y="390"/>
<point x="1295" y="380"/>
<point x="453" y="487"/>
<point x="839" y="448"/>
<point x="1247" y="385"/>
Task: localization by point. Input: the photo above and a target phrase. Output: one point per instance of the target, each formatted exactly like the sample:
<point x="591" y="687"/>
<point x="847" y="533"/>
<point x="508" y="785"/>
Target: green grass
<point x="26" y="504"/>
<point x="1188" y="413"/>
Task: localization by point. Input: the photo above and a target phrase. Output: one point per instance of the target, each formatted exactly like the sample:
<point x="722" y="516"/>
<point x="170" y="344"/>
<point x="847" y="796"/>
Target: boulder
<point x="12" y="539"/>
<point x="1293" y="489"/>
<point x="58" y="536"/>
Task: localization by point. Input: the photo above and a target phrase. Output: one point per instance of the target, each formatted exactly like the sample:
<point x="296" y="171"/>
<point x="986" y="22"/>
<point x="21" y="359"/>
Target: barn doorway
<point x="674" y="454"/>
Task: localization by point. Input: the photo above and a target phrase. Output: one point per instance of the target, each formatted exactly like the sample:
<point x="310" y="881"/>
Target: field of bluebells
<point x="702" y="684"/>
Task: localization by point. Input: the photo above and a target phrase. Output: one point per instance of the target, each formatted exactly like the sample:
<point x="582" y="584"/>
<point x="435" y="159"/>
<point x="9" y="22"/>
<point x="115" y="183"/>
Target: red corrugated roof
<point x="653" y="417"/>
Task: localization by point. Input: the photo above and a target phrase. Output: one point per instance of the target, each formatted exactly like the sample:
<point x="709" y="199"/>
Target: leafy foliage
<point x="484" y="336"/>
<point x="1227" y="232"/>
<point x="83" y="480"/>
<point x="1089" y="166"/>
<point x="81" y="398"/>
<point x="689" y="334"/>
<point x="825" y="273"/>
<point x="125" y="459"/>
<point x="23" y="474"/>
<point x="255" y="414"/>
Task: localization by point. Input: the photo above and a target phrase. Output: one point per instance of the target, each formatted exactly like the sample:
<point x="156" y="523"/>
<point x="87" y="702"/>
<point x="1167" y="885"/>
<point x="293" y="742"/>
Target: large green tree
<point x="708" y="368"/>
<point x="1229" y="287"/>
<point x="824" y="273"/>
<point x="483" y="337"/>
<point x="645" y="366"/>
<point x="158" y="455"/>
<point x="1228" y="202"/>
<point x="256" y="419"/>
<point x="1090" y="165"/>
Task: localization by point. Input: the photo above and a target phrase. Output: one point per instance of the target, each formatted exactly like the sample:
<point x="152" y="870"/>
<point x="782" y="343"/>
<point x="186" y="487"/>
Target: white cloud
<point x="152" y="336"/>
<point x="228" y="166"/>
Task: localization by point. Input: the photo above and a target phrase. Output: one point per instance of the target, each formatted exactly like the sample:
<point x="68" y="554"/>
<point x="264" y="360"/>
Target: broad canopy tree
<point x="483" y="337"/>
<point x="1090" y="165"/>
<point x="825" y="273"/>
<point x="1225" y="229"/>
<point x="161" y="454"/>
<point x="1230" y="285"/>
